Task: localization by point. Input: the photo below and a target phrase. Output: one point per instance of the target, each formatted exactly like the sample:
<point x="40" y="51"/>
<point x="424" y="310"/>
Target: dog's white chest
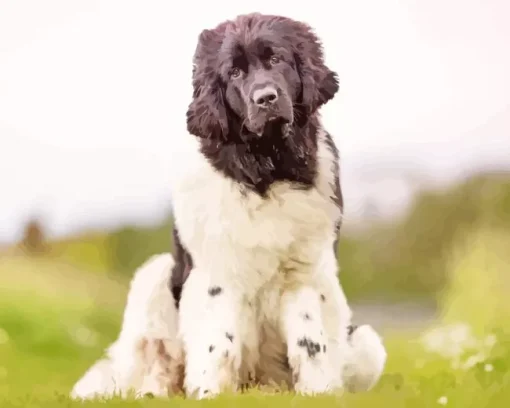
<point x="220" y="223"/>
<point x="215" y="209"/>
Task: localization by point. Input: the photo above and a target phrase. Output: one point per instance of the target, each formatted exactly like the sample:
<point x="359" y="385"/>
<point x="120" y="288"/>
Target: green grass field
<point x="56" y="319"/>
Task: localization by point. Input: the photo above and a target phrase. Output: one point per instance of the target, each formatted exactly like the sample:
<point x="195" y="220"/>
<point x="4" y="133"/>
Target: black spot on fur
<point x="230" y="337"/>
<point x="306" y="316"/>
<point x="312" y="348"/>
<point x="211" y="348"/>
<point x="215" y="291"/>
<point x="351" y="329"/>
<point x="323" y="348"/>
<point x="323" y="298"/>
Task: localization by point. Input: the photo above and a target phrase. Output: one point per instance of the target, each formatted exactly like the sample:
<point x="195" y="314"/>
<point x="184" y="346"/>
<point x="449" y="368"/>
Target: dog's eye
<point x="235" y="73"/>
<point x="274" y="60"/>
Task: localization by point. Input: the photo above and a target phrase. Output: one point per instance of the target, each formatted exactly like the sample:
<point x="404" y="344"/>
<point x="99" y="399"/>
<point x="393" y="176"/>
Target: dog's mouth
<point x="276" y="123"/>
<point x="273" y="124"/>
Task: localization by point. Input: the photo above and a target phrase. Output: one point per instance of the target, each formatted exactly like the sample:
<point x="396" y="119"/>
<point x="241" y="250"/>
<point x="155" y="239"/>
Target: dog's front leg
<point x="304" y="332"/>
<point x="212" y="334"/>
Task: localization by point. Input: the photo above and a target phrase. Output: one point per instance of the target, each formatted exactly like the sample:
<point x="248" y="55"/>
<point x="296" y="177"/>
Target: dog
<point x="147" y="357"/>
<point x="255" y="296"/>
<point x="258" y="207"/>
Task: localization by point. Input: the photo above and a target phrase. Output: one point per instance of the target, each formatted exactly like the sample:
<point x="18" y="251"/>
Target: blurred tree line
<point x="407" y="258"/>
<point x="131" y="246"/>
<point x="404" y="258"/>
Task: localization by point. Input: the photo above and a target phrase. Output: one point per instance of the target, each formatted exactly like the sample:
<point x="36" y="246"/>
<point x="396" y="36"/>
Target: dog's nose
<point x="265" y="96"/>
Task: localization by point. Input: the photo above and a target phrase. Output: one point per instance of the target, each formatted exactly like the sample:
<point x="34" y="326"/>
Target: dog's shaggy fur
<point x="257" y="209"/>
<point x="147" y="356"/>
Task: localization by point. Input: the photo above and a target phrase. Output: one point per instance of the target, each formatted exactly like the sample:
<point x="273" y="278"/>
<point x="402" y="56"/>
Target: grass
<point x="414" y="378"/>
<point x="56" y="319"/>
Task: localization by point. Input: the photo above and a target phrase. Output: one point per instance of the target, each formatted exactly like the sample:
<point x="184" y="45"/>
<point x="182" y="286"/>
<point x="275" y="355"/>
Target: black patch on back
<point x="337" y="190"/>
<point x="182" y="267"/>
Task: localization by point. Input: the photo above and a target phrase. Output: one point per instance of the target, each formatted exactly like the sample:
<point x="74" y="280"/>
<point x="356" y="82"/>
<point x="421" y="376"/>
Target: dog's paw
<point x="217" y="371"/>
<point x="206" y="394"/>
<point x="367" y="360"/>
<point x="313" y="378"/>
<point x="312" y="388"/>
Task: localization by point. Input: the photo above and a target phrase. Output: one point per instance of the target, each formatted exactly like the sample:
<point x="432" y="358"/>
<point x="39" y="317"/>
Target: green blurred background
<point x="445" y="262"/>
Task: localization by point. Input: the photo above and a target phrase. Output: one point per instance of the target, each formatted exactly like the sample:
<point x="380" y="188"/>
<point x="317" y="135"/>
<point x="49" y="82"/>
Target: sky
<point x="93" y="95"/>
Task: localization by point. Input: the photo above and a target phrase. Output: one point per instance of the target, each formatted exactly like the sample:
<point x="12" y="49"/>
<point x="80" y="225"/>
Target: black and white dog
<point x="257" y="208"/>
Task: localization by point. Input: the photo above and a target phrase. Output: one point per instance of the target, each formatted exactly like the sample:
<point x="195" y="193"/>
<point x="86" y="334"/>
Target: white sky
<point x="93" y="95"/>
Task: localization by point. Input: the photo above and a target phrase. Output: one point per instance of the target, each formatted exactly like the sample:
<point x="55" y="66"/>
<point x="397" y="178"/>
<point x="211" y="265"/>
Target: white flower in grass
<point x="455" y="364"/>
<point x="473" y="360"/>
<point x="443" y="400"/>
<point x="490" y="341"/>
<point x="450" y="341"/>
<point x="454" y="341"/>
<point x="459" y="333"/>
<point x="84" y="336"/>
<point x="488" y="368"/>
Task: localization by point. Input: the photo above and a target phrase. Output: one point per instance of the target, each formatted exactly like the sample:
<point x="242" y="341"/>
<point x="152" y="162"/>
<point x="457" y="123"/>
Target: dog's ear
<point x="207" y="114"/>
<point x="319" y="83"/>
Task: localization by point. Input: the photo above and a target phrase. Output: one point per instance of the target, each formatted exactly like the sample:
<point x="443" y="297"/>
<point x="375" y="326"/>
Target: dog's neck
<point x="282" y="153"/>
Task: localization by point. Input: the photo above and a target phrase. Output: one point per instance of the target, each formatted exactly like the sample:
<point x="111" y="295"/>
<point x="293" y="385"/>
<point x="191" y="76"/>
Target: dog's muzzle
<point x="268" y="105"/>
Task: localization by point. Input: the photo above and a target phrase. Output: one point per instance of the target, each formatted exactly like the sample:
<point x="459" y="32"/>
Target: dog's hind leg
<point x="150" y="316"/>
<point x="98" y="381"/>
<point x="166" y="373"/>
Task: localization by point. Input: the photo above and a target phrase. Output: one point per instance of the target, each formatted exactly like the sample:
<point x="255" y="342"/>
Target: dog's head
<point x="256" y="71"/>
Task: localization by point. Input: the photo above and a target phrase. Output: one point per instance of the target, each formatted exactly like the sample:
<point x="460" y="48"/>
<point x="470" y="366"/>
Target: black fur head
<point x="258" y="82"/>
